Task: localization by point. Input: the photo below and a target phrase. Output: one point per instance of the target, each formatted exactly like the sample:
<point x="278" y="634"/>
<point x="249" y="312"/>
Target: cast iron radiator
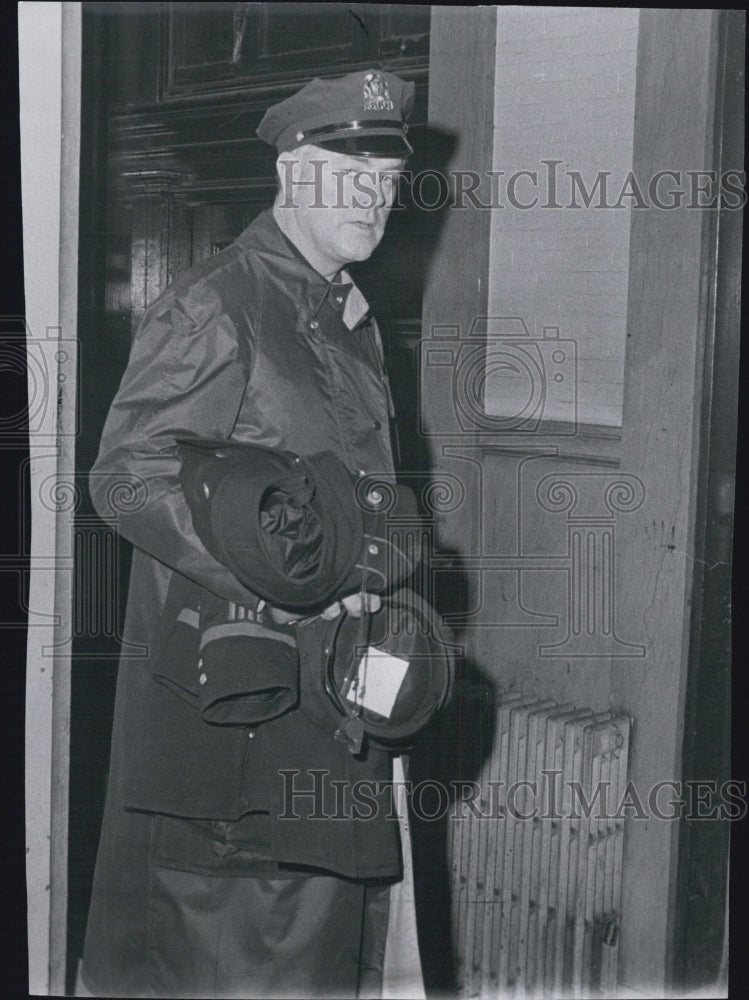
<point x="536" y="901"/>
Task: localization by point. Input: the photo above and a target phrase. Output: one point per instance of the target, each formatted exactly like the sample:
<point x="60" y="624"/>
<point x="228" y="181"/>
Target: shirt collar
<point x="354" y="307"/>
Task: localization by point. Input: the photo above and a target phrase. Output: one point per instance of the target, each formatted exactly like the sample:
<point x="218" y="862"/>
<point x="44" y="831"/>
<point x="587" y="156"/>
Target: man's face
<point x="341" y="202"/>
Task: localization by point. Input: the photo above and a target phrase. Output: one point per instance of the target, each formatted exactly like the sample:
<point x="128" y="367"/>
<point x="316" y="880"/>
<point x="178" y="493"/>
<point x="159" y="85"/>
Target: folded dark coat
<point x="299" y="530"/>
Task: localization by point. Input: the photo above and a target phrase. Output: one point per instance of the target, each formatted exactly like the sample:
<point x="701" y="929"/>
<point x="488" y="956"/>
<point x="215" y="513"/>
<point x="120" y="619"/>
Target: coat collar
<point x="264" y="238"/>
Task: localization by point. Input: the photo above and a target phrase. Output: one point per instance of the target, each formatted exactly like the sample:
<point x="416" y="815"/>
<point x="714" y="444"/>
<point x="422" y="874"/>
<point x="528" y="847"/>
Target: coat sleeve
<point x="187" y="375"/>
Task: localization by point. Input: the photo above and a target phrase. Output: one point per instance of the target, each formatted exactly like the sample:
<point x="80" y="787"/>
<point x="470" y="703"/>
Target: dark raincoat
<point x="248" y="345"/>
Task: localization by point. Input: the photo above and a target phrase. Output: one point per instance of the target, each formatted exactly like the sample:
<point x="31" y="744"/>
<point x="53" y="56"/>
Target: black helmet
<point x="384" y="675"/>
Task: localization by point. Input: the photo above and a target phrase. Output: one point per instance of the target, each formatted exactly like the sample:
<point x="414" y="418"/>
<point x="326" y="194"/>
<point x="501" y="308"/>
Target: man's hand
<point x="355" y="604"/>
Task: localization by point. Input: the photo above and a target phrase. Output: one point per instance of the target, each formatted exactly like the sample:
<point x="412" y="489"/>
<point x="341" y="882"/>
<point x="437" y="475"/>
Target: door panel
<point x="215" y="226"/>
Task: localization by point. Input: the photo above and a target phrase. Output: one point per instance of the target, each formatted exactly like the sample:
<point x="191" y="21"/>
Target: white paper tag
<point x="378" y="681"/>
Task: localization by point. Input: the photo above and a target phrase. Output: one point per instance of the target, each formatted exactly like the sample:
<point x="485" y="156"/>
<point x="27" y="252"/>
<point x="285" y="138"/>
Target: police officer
<point x="216" y="875"/>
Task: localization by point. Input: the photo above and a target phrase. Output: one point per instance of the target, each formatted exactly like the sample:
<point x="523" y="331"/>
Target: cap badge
<point x="376" y="93"/>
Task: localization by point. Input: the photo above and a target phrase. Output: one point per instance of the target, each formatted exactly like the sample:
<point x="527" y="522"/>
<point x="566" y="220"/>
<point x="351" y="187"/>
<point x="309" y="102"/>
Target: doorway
<point x="171" y="172"/>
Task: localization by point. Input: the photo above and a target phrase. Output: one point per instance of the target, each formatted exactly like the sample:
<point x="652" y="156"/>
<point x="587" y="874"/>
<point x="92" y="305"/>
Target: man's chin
<point x="361" y="248"/>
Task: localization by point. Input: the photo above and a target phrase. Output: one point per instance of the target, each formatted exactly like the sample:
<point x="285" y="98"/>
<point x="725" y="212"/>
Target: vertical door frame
<point x="49" y="77"/>
<point x="701" y="890"/>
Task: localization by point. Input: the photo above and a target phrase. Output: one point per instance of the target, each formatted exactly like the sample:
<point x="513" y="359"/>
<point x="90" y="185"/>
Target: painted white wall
<point x="564" y="112"/>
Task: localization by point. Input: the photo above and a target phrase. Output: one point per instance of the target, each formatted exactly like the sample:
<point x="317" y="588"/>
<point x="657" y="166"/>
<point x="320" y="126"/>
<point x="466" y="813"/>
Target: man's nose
<point x="382" y="194"/>
<point x="370" y="188"/>
<point x="376" y="199"/>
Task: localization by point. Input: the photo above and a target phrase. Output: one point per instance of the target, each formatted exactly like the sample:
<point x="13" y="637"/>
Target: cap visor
<point x="393" y="145"/>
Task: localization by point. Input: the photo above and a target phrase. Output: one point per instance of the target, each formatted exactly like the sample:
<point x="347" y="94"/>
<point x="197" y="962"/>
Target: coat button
<point x="377" y="425"/>
<point x="251" y="734"/>
<point x="203" y="679"/>
<point x="200" y="664"/>
<point x="206" y="491"/>
<point x="372" y="549"/>
<point x="314" y="324"/>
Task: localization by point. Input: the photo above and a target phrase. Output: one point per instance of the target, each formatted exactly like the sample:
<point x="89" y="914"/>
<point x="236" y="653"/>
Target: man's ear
<point x="291" y="163"/>
<point x="290" y="168"/>
<point x="285" y="168"/>
<point x="287" y="171"/>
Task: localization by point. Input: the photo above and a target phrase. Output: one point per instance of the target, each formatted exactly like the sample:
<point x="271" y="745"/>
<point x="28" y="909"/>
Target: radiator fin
<point x="536" y="875"/>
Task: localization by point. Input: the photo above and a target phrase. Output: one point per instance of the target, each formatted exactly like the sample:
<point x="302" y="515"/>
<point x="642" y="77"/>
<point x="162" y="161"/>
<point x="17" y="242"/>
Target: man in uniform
<point x="204" y="886"/>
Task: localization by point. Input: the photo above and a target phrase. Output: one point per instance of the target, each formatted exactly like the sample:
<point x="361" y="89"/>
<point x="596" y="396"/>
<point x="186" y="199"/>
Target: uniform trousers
<point x="318" y="936"/>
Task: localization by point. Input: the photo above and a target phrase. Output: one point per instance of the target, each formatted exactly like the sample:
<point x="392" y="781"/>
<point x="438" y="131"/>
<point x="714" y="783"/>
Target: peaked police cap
<point x="362" y="114"/>
<point x="386" y="673"/>
<point x="298" y="531"/>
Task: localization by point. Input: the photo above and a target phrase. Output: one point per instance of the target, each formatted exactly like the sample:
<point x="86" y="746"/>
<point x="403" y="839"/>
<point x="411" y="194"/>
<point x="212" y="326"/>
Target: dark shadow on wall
<point x="446" y="759"/>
